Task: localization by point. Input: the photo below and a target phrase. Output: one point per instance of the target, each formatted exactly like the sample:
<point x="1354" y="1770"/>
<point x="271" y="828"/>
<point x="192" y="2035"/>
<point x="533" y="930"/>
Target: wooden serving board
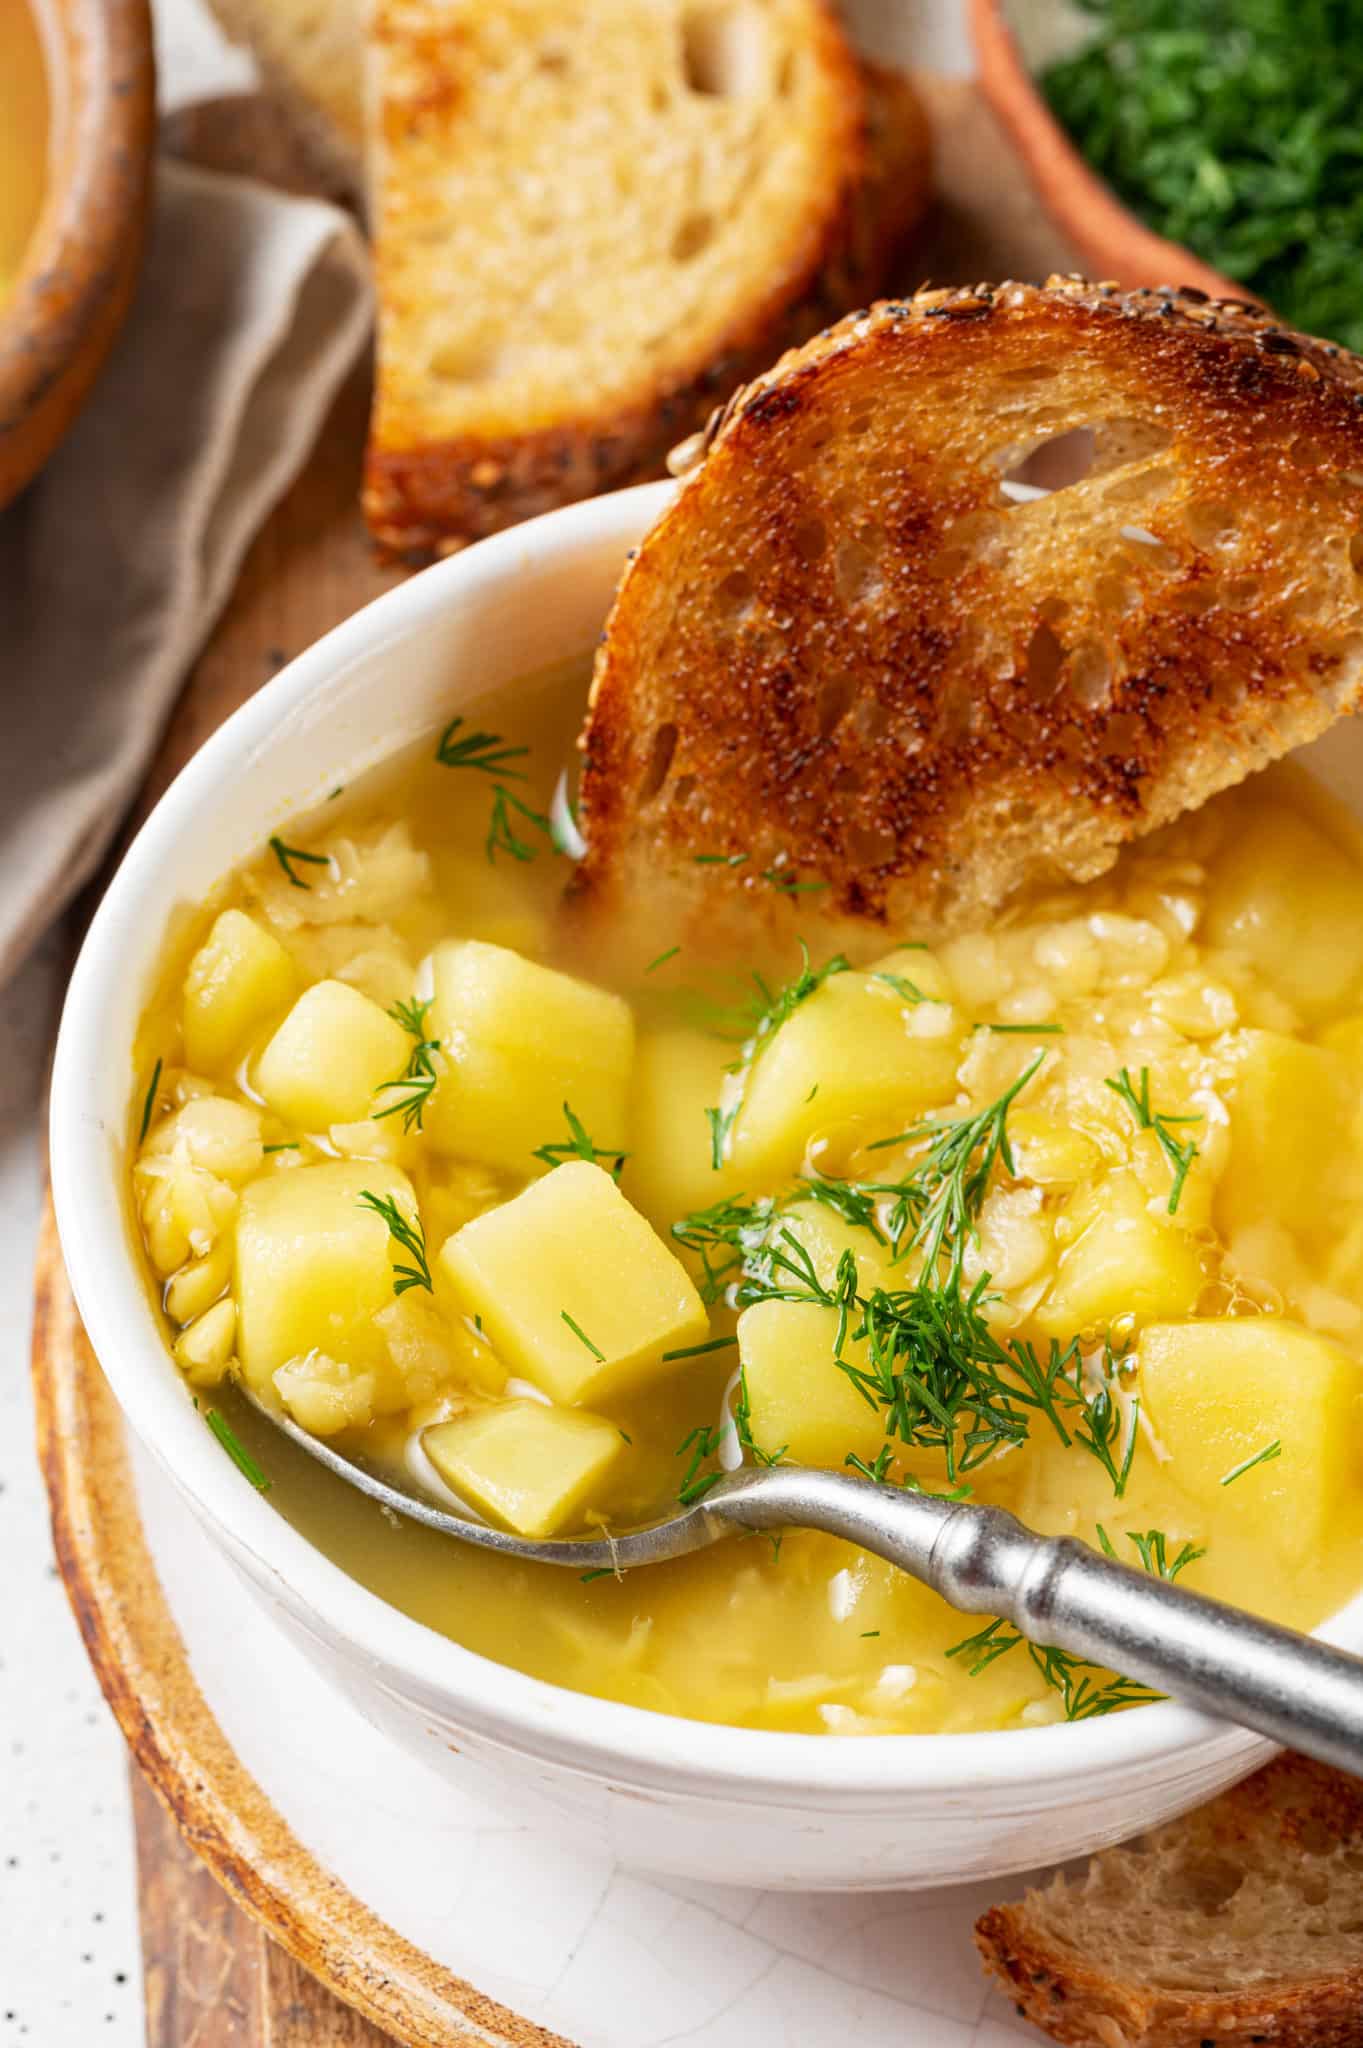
<point x="270" y="1951"/>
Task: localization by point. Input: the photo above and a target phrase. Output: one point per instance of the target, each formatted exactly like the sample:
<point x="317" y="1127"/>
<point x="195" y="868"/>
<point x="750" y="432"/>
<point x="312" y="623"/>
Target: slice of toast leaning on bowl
<point x="932" y="1047"/>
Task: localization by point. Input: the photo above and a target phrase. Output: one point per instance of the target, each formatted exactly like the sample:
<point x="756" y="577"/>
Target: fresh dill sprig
<point x="743" y="1425"/>
<point x="235" y="1449"/>
<point x="699" y="1350"/>
<point x="487" y="751"/>
<point x="1024" y="1030"/>
<point x="582" y="1336"/>
<point x="778" y="1006"/>
<point x="702" y="1442"/>
<point x="1263" y="1457"/>
<point x="908" y="990"/>
<point x="1179" y="1155"/>
<point x="721" y="860"/>
<point x="726" y="1235"/>
<point x="287" y="855"/>
<point x="418" y="1078"/>
<point x="149" y="1102"/>
<point x="1152" y="1549"/>
<point x="407" y="1233"/>
<point x="1085" y="1690"/>
<point x="578" y="1145"/>
<point x="502" y="836"/>
<point x="662" y="958"/>
<point x="784" y="880"/>
<point x="1100" y="1427"/>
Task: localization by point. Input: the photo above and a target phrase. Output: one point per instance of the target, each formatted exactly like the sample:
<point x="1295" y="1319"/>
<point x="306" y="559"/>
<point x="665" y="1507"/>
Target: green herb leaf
<point x="414" y="1085"/>
<point x="1137" y="1100"/>
<point x="235" y="1449"/>
<point x="1263" y="1457"/>
<point x="670" y="954"/>
<point x="287" y="855"/>
<point x="579" y="1146"/>
<point x="582" y="1336"/>
<point x="409" y="1235"/>
<point x="487" y="751"/>
<point x="149" y="1103"/>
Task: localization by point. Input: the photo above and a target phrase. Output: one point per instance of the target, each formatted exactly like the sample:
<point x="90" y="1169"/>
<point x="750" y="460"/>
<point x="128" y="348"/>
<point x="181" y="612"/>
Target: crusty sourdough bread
<point x="844" y="656"/>
<point x="592" y="219"/>
<point x="1241" y="1922"/>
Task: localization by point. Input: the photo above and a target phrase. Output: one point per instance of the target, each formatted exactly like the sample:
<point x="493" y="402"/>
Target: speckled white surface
<point x="739" y="1969"/>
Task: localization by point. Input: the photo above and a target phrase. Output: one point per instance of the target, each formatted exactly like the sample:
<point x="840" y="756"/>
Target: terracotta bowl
<point x="73" y="288"/>
<point x="1112" y="242"/>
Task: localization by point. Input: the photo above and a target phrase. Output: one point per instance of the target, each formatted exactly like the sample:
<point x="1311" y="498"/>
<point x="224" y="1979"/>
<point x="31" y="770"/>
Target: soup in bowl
<point x="352" y="1103"/>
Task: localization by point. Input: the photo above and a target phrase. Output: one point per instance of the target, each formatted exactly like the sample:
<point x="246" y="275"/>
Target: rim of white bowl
<point x="601" y="1738"/>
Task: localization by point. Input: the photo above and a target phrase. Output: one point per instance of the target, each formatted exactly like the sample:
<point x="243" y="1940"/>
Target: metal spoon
<point x="1053" y="1589"/>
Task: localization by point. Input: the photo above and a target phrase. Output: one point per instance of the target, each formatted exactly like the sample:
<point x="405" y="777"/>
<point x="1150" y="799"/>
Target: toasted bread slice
<point x="1240" y="1922"/>
<point x="591" y="222"/>
<point x="845" y="656"/>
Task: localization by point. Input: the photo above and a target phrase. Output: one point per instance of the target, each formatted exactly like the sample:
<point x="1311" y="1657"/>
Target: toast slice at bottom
<point x="1240" y="1922"/>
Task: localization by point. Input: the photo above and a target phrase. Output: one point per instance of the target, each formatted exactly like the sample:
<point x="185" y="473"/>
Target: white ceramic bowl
<point x="733" y="1804"/>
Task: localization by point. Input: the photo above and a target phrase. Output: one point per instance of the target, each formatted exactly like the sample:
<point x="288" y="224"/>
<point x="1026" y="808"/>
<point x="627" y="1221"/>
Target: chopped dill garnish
<point x="502" y="836"/>
<point x="235" y="1449"/>
<point x="1263" y="1457"/>
<point x="1025" y="1030"/>
<point x="867" y="1633"/>
<point x="485" y="750"/>
<point x="332" y="794"/>
<point x="812" y="1093"/>
<point x="702" y="1442"/>
<point x="149" y="1102"/>
<point x="418" y="1078"/>
<point x="582" y="1336"/>
<point x="1085" y="1691"/>
<point x="670" y="954"/>
<point x="1152" y="1548"/>
<point x="291" y="1147"/>
<point x="287" y="855"/>
<point x="602" y="1571"/>
<point x="1137" y="1100"/>
<point x="409" y="1235"/>
<point x="699" y="1350"/>
<point x="625" y="1435"/>
<point x="880" y="1471"/>
<point x="743" y="1425"/>
<point x="777" y="1007"/>
<point x="784" y="879"/>
<point x="1100" y="1428"/>
<point x="578" y="1145"/>
<point x="902" y="986"/>
<point x="721" y="860"/>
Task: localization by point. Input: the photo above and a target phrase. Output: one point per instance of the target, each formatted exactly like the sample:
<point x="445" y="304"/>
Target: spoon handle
<point x="1059" y="1593"/>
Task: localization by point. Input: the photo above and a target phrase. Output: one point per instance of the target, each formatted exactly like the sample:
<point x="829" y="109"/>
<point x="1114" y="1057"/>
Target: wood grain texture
<point x="239" y="1922"/>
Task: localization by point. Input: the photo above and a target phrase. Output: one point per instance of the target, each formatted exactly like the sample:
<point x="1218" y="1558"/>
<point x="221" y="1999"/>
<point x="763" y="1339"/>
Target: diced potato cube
<point x="210" y="1132"/>
<point x="1217" y="1392"/>
<point x="826" y="1235"/>
<point x="530" y="1468"/>
<point x="315" y="1267"/>
<point x="204" y="1350"/>
<point x="198" y="1285"/>
<point x="324" y="1395"/>
<point x="184" y="1210"/>
<point x="240" y="978"/>
<point x="333" y="1050"/>
<point x="678" y="1075"/>
<point x="521" y="1040"/>
<point x="854" y="1051"/>
<point x="1285" y="895"/>
<point x="1048" y="1152"/>
<point x="1125" y="1261"/>
<point x="569" y="1251"/>
<point x="1281" y="1090"/>
<point x="799" y="1399"/>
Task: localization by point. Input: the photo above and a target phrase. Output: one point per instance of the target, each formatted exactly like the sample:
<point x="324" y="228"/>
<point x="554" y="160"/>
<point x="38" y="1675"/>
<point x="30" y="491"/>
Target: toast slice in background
<point x="591" y="221"/>
<point x="1241" y="1922"/>
<point x="846" y="658"/>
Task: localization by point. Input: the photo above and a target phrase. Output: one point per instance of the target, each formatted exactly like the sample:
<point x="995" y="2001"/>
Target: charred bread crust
<point x="1293" y="1811"/>
<point x="940" y="816"/>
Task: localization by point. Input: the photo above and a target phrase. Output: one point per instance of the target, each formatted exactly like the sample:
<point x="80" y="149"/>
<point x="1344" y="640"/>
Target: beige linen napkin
<point x="116" y="562"/>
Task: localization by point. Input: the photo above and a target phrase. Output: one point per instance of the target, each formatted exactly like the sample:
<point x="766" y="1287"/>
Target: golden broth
<point x="1219" y="969"/>
<point x="23" y="134"/>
